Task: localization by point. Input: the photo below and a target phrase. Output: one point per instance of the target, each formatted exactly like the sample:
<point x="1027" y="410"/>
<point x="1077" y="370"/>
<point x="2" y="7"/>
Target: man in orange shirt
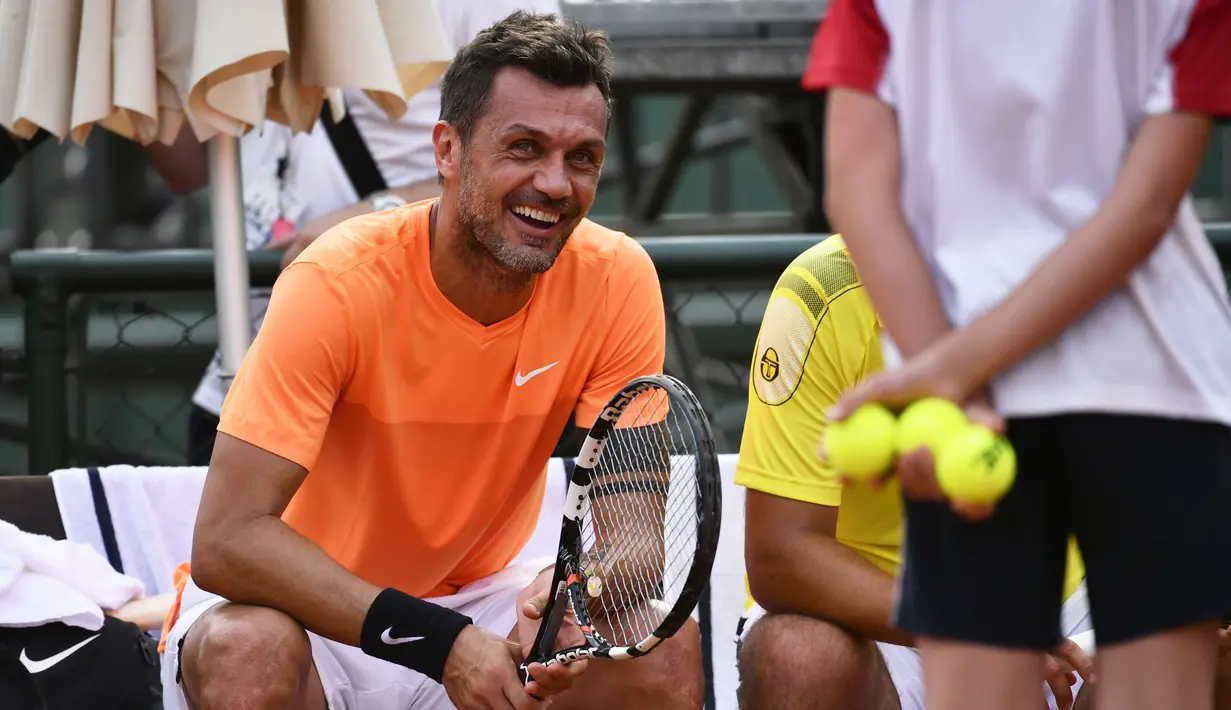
<point x="381" y="454"/>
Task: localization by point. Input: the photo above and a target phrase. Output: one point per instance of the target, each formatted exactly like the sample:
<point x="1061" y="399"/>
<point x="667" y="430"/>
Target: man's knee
<point x="244" y="656"/>
<point x="799" y="656"/>
<point x="670" y="678"/>
<point x="677" y="679"/>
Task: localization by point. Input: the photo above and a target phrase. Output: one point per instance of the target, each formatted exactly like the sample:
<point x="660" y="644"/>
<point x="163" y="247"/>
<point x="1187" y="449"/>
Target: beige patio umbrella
<point x="141" y="68"/>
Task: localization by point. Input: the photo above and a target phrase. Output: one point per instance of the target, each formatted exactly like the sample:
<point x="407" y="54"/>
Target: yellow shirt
<point x="820" y="336"/>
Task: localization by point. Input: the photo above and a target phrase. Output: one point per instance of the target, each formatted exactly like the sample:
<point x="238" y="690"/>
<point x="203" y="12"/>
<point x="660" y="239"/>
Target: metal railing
<point x="115" y="343"/>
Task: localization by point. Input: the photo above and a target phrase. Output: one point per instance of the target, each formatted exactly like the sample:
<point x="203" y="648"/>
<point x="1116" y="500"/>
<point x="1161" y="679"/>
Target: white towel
<point x="44" y="580"/>
<point x="10" y="568"/>
<point x="76" y="504"/>
<point x="727" y="589"/>
<point x="153" y="510"/>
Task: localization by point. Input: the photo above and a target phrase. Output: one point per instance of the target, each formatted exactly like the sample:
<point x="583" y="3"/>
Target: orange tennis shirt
<point x="425" y="434"/>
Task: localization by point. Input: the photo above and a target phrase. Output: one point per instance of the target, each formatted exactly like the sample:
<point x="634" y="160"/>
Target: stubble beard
<point x="485" y="246"/>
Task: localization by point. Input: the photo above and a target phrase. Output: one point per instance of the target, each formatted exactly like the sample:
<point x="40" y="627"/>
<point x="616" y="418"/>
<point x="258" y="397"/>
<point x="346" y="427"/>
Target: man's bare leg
<point x="967" y="676"/>
<point x="1174" y="669"/>
<point x="238" y="657"/>
<point x="789" y="662"/>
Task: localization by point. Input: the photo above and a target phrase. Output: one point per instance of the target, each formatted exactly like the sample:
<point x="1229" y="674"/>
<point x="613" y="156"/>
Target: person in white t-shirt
<point x="299" y="182"/>
<point x="1011" y="179"/>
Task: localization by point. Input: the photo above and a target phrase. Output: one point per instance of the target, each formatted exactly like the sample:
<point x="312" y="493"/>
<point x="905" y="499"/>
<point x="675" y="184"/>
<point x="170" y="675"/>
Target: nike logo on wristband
<point x="390" y="640"/>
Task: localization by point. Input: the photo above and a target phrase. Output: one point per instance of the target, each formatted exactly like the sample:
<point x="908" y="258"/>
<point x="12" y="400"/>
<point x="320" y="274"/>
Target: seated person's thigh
<point x="491" y="602"/>
<point x="348" y="675"/>
<point x="234" y="652"/>
<point x="799" y="657"/>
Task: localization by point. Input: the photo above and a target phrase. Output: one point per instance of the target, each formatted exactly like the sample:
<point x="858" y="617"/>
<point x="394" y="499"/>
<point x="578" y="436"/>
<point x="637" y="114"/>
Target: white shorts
<point x="353" y="679"/>
<point x="906" y="669"/>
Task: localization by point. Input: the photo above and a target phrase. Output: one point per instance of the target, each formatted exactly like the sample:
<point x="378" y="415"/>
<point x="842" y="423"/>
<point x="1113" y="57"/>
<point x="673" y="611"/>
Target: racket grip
<point x="523" y="672"/>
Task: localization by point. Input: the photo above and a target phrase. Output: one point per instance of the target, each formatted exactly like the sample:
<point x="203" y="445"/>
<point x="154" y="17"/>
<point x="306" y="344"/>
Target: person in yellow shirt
<point x="822" y="558"/>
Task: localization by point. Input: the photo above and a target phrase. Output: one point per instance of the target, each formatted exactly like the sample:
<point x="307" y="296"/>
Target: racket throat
<point x="550" y="630"/>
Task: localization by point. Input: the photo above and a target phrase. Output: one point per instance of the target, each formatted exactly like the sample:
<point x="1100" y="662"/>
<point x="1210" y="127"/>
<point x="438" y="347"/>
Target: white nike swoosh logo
<point x="390" y="640"/>
<point x="521" y="379"/>
<point x="40" y="666"/>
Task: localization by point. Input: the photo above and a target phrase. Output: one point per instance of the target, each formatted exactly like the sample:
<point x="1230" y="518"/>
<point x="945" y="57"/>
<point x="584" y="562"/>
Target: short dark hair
<point x="562" y="54"/>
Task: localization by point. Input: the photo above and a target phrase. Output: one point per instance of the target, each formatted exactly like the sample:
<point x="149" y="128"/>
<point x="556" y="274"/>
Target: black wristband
<point x="411" y="632"/>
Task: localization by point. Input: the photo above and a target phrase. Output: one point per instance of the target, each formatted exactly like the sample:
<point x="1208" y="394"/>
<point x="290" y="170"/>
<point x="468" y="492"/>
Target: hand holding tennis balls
<point x="971" y="463"/>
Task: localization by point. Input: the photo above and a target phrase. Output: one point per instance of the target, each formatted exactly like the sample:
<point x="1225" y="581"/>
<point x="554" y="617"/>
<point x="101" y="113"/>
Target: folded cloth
<point x="152" y="513"/>
<point x="44" y="580"/>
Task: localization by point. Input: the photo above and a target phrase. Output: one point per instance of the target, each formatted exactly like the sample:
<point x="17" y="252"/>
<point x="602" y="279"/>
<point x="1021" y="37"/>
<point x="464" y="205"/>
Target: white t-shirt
<point x="315" y="183"/>
<point x="1013" y="119"/>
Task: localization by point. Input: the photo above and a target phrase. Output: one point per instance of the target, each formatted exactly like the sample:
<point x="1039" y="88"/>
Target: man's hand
<point x="920" y="377"/>
<point x="928" y="374"/>
<point x="306" y="233"/>
<point x="481" y="673"/>
<point x="1061" y="668"/>
<point x="1224" y="640"/>
<point x="531" y="603"/>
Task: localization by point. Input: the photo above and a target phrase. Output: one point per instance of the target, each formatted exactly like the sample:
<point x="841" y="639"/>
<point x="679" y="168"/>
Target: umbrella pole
<point x="231" y="280"/>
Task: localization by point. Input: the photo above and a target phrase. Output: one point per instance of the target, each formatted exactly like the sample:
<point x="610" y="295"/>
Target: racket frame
<point x="569" y="580"/>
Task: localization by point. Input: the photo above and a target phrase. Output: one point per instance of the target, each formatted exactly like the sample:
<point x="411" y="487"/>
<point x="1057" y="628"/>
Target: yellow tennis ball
<point x="976" y="466"/>
<point x="929" y="422"/>
<point x="861" y="446"/>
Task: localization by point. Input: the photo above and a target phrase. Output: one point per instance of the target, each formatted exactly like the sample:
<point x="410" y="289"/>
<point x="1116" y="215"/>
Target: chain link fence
<point x="134" y="363"/>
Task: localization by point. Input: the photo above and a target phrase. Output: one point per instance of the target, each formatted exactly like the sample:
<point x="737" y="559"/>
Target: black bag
<point x="61" y="667"/>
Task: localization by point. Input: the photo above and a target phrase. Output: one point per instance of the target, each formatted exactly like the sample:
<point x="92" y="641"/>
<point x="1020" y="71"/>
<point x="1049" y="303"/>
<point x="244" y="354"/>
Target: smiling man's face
<point x="529" y="173"/>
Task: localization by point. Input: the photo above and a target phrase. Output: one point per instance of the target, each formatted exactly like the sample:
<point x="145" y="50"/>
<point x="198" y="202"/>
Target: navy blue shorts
<point x="1150" y="502"/>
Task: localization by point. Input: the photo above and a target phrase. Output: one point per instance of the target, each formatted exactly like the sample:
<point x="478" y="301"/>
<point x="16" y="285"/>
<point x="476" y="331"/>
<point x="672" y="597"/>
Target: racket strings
<point x="639" y="531"/>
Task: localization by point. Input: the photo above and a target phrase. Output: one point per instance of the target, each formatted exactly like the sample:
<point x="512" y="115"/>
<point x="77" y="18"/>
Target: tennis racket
<point x="640" y="526"/>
